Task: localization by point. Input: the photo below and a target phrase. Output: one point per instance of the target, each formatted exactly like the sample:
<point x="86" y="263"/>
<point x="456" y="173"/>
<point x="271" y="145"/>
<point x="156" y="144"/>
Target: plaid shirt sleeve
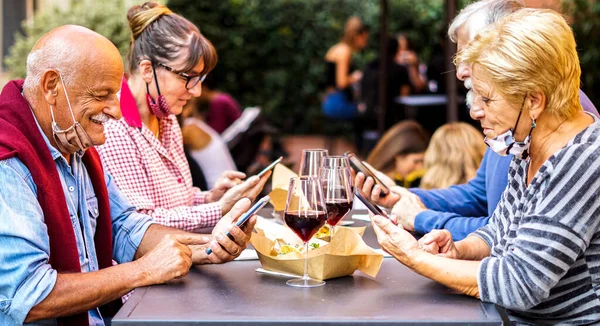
<point x="122" y="157"/>
<point x="200" y="196"/>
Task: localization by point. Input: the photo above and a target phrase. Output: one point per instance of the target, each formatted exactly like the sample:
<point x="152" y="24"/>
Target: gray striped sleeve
<point x="554" y="230"/>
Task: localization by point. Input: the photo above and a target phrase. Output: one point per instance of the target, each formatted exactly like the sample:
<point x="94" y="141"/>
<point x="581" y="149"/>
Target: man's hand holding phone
<point x="373" y="191"/>
<point x="224" y="248"/>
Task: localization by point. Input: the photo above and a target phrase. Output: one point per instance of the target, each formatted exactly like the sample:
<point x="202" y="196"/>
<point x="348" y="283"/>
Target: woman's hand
<point x="439" y="242"/>
<point x="395" y="240"/>
<point x="226" y="181"/>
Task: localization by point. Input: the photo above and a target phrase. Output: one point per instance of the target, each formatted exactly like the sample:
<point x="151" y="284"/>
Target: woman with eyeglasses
<point x="168" y="60"/>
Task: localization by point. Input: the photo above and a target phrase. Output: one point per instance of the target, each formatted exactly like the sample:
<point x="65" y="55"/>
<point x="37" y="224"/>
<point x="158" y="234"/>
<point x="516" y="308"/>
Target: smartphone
<point x="370" y="205"/>
<point x="246" y="216"/>
<point x="358" y="166"/>
<point x="271" y="166"/>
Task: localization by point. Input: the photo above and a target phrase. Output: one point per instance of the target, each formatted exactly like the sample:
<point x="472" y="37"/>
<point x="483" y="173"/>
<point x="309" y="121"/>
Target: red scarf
<point x="20" y="137"/>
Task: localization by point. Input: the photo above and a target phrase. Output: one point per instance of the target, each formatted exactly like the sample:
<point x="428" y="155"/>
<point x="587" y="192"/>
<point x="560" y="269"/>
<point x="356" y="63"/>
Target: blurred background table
<point x="234" y="294"/>
<point x="412" y="103"/>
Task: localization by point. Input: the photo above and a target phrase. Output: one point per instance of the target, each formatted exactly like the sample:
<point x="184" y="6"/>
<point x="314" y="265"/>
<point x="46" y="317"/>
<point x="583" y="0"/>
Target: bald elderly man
<point x="62" y="219"/>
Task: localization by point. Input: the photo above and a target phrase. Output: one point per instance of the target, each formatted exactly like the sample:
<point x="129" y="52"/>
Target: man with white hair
<point x="460" y="209"/>
<point x="62" y="219"/>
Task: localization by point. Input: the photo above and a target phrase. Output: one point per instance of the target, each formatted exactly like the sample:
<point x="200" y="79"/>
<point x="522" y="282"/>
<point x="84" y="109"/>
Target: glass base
<point x="304" y="283"/>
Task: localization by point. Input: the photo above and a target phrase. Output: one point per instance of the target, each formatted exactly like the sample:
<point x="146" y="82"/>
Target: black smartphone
<point x="271" y="166"/>
<point x="370" y="205"/>
<point x="358" y="166"/>
<point x="244" y="218"/>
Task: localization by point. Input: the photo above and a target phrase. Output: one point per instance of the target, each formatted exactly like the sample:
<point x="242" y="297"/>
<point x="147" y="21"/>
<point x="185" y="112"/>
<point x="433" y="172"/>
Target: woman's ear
<point x="537" y="104"/>
<point x="49" y="85"/>
<point x="146" y="71"/>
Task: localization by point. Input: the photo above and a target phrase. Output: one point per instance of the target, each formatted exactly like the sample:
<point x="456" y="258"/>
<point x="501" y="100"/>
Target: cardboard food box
<point x="345" y="253"/>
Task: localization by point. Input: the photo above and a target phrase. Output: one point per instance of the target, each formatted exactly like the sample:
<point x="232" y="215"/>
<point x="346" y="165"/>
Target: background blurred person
<point x="223" y="109"/>
<point x="168" y="59"/>
<point x="399" y="153"/>
<point x="407" y="57"/>
<point x="453" y="156"/>
<point x="339" y="101"/>
<point x="204" y="144"/>
<point x="398" y="84"/>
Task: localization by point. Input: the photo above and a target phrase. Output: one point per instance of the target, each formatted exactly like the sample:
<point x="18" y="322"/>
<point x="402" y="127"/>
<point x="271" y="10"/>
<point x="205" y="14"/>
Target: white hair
<point x="480" y="14"/>
<point x="51" y="56"/>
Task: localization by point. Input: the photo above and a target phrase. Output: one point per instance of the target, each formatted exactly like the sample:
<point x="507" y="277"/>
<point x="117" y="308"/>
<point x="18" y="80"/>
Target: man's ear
<point x="49" y="85"/>
<point x="146" y="71"/>
<point x="537" y="104"/>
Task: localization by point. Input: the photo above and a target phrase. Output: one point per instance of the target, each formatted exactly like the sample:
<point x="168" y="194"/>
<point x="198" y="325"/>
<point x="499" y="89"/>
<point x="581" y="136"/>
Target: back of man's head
<point x="474" y="17"/>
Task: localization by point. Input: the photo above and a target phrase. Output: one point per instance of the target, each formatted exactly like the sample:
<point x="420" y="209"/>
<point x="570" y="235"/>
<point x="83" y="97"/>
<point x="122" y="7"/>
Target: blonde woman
<point x="539" y="255"/>
<point x="453" y="156"/>
<point x="399" y="153"/>
<point x="339" y="101"/>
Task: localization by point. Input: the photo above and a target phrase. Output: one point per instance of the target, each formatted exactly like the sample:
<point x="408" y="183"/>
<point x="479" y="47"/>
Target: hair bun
<point x="140" y="17"/>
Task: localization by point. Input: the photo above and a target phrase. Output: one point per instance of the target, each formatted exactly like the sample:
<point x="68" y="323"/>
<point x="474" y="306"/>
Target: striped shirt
<point x="154" y="174"/>
<point x="544" y="265"/>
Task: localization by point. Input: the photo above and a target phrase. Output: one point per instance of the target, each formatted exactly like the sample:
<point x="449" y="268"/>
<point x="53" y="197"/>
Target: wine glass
<point x="338" y="194"/>
<point x="335" y="161"/>
<point x="339" y="161"/>
<point x="311" y="161"/>
<point x="305" y="213"/>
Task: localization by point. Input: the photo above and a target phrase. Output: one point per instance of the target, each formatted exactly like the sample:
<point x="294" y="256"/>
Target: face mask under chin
<point x="72" y="139"/>
<point x="505" y="143"/>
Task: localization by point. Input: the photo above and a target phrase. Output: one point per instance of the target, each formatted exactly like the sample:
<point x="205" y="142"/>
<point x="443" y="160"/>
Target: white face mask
<point x="505" y="143"/>
<point x="72" y="139"/>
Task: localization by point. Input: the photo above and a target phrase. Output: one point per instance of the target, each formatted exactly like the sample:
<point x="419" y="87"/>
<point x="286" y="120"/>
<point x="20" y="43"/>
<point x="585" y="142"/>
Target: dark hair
<point x="392" y="47"/>
<point x="159" y="35"/>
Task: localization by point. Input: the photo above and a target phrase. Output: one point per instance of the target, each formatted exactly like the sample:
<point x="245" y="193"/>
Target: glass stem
<point x="305" y="277"/>
<point x="332" y="232"/>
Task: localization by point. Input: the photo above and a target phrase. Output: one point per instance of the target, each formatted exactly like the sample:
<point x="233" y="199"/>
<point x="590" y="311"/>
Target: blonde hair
<point x="406" y="137"/>
<point x="161" y="36"/>
<point x="453" y="156"/>
<point x="353" y="27"/>
<point x="532" y="50"/>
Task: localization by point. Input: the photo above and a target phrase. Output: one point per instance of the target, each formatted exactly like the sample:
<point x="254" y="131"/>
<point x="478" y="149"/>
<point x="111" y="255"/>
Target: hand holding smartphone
<point x="358" y="166"/>
<point x="246" y="216"/>
<point x="370" y="205"/>
<point x="271" y="166"/>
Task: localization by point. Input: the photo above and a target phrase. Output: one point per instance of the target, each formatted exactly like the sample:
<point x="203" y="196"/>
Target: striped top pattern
<point x="544" y="265"/>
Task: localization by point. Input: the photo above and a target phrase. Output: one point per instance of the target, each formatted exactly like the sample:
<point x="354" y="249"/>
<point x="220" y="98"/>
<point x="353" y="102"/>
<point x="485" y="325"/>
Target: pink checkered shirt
<point x="155" y="176"/>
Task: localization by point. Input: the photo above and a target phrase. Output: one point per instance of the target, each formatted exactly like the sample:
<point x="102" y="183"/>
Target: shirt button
<point x="71" y="188"/>
<point x="95" y="211"/>
<point x="179" y="180"/>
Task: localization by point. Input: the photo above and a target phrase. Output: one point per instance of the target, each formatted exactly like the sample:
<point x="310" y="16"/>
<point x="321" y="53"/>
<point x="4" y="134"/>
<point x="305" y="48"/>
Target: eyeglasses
<point x="190" y="80"/>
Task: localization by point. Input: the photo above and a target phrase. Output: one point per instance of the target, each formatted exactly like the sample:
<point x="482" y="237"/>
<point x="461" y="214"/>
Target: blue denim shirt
<point x="26" y="278"/>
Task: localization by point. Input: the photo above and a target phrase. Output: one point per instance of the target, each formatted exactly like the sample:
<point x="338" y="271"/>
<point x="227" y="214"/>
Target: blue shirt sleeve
<point x="459" y="209"/>
<point x="128" y="226"/>
<point x="459" y="226"/>
<point x="26" y="275"/>
<point x="465" y="200"/>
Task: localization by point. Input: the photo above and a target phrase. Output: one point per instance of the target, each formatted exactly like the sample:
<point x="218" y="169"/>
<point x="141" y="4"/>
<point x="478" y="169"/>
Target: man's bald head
<point x="71" y="50"/>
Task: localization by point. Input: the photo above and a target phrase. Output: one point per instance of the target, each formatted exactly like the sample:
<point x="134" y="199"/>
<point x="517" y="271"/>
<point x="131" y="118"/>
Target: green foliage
<point x="271" y="51"/>
<point x="107" y="17"/>
<point x="585" y="19"/>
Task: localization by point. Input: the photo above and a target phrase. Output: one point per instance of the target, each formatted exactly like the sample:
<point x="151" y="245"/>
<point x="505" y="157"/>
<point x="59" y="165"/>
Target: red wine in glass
<point x="336" y="210"/>
<point x="306" y="223"/>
